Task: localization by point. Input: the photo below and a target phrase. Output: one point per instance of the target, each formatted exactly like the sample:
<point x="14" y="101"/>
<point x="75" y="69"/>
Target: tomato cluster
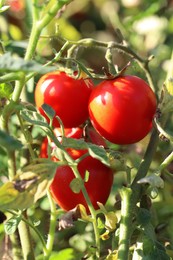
<point x="121" y="111"/>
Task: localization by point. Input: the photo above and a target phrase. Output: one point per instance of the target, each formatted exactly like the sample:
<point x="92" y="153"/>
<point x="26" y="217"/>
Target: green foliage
<point x="9" y="142"/>
<point x="10" y="63"/>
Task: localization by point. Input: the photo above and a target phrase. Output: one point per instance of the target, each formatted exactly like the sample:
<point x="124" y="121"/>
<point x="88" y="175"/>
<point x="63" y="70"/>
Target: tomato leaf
<point x="64" y="254"/>
<point x="100" y="223"/>
<point x="154" y="180"/>
<point x="166" y="104"/>
<point x="98" y="153"/>
<point x="10" y="63"/>
<point x="28" y="186"/>
<point x="143" y="217"/>
<point x="6" y="90"/>
<point x="149" y="250"/>
<point x="48" y="111"/>
<point x="112" y="255"/>
<point x="79" y="144"/>
<point x="110" y="221"/>
<point x="11" y="224"/>
<point x="76" y="185"/>
<point x="34" y="118"/>
<point x="9" y="142"/>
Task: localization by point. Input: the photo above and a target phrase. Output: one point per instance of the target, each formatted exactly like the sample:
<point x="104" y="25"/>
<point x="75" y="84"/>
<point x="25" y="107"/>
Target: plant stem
<point x="91" y="209"/>
<point x="125" y="224"/>
<point x="16" y="250"/>
<point x="25" y="238"/>
<point x="130" y="197"/>
<point x="53" y="223"/>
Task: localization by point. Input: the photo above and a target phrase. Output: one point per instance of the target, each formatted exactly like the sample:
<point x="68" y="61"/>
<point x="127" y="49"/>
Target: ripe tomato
<point x="122" y="109"/>
<point x="75" y="133"/>
<point x="66" y="95"/>
<point x="98" y="186"/>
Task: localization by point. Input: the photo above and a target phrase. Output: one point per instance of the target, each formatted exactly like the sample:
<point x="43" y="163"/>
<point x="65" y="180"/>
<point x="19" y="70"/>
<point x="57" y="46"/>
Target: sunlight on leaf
<point x="110" y="221"/>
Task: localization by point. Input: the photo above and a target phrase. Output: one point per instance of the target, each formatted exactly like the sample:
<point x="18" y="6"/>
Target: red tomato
<point x="75" y="133"/>
<point x="66" y="95"/>
<point x="98" y="186"/>
<point x="122" y="109"/>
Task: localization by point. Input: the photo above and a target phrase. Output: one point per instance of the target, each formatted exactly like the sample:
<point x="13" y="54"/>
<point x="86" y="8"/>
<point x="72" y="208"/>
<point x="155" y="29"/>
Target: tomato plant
<point x="66" y="95"/>
<point x="98" y="185"/>
<point x="78" y="165"/>
<point x="122" y="109"/>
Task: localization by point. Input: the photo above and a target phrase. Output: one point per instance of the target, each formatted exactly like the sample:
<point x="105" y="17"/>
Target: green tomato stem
<point x="91" y="209"/>
<point x="52" y="227"/>
<point x="125" y="224"/>
<point x="131" y="196"/>
<point x="16" y="250"/>
<point x="25" y="239"/>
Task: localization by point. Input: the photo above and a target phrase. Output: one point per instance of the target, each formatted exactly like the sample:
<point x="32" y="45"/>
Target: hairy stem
<point x="131" y="196"/>
<point x="25" y="238"/>
<point x="125" y="224"/>
<point x="53" y="223"/>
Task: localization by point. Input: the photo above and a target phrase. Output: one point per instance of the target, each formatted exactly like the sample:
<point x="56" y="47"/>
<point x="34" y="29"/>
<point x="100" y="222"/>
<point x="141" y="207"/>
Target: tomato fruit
<point x="75" y="132"/>
<point x="122" y="109"/>
<point x="98" y="186"/>
<point x="66" y="95"/>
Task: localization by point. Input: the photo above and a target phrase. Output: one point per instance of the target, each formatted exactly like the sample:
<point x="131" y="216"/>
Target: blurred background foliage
<point x="147" y="26"/>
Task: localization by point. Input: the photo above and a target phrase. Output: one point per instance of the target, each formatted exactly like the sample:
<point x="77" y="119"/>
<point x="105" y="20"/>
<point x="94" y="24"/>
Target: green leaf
<point x="147" y="250"/>
<point x="98" y="153"/>
<point x="28" y="186"/>
<point x="6" y="90"/>
<point x="76" y="185"/>
<point x="11" y="224"/>
<point x="143" y="217"/>
<point x="9" y="142"/>
<point x="34" y="118"/>
<point x="64" y="254"/>
<point x="154" y="180"/>
<point x="48" y="111"/>
<point x="78" y="144"/>
<point x="110" y="221"/>
<point x="8" y="62"/>
<point x="166" y="104"/>
<point x="100" y="223"/>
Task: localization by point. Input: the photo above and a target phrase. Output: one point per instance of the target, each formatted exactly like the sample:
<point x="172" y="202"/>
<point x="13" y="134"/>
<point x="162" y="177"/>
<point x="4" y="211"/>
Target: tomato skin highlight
<point x="66" y="95"/>
<point x="122" y="109"/>
<point x="98" y="186"/>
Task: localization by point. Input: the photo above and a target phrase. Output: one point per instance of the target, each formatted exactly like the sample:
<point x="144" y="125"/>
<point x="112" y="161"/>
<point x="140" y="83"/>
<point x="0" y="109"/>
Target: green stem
<point x="166" y="162"/>
<point x="109" y="59"/>
<point x="16" y="250"/>
<point x="132" y="195"/>
<point x="26" y="135"/>
<point x="25" y="239"/>
<point x="91" y="209"/>
<point x="52" y="228"/>
<point x="125" y="224"/>
<point x="38" y="234"/>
